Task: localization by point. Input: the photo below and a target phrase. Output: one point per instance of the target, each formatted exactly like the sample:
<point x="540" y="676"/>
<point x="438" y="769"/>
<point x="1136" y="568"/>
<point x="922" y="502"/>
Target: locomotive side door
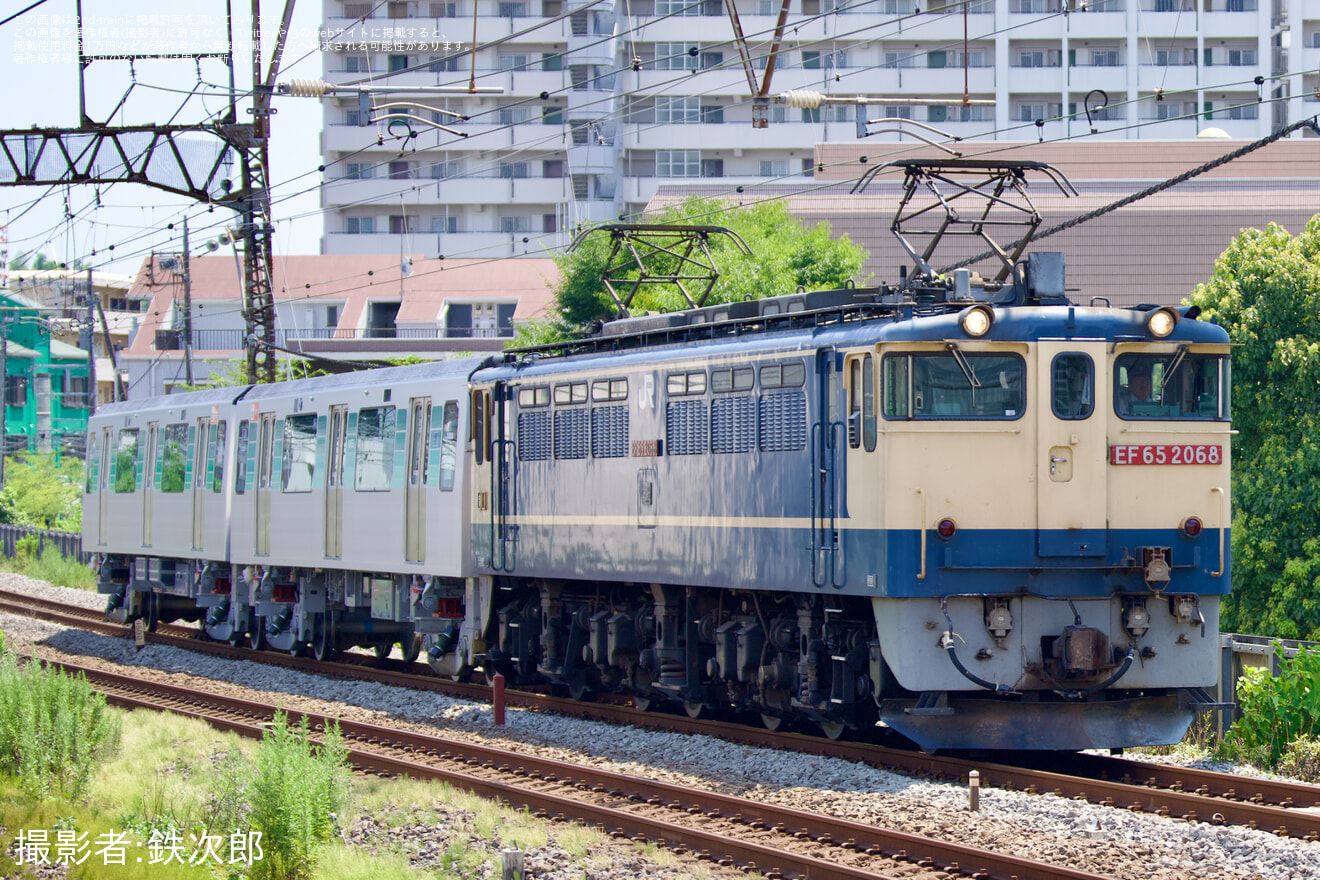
<point x="149" y="484"/>
<point x="1072" y="397"/>
<point x="334" y="484"/>
<point x="419" y="432"/>
<point x="503" y="464"/>
<point x="265" y="463"/>
<point x="828" y="439"/>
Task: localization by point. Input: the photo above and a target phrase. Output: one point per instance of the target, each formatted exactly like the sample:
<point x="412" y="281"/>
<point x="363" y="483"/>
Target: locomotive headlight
<point x="1191" y="526"/>
<point x="976" y="321"/>
<point x="1161" y="322"/>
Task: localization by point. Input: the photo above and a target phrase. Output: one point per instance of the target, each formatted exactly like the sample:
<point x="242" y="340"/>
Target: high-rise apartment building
<point x="601" y="102"/>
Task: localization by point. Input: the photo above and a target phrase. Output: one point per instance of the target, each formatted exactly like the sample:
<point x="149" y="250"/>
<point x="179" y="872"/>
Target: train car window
<point x="89" y="466"/>
<point x="530" y="397"/>
<point x="126" y="460"/>
<point x="448" y="442"/>
<point x="375" y="449"/>
<point x="1176" y="385"/>
<point x="173" y="457"/>
<point x="299" y="462"/>
<point x="218" y="456"/>
<point x="938" y="385"/>
<point x="686" y="383"/>
<point x="574" y="392"/>
<point x="721" y="380"/>
<point x="743" y="378"/>
<point x="241" y="458"/>
<point x="772" y="375"/>
<point x="786" y="375"/>
<point x="609" y="389"/>
<point x="478" y="429"/>
<point x="855" y="403"/>
<point x="868" y="404"/>
<point x="1072" y="386"/>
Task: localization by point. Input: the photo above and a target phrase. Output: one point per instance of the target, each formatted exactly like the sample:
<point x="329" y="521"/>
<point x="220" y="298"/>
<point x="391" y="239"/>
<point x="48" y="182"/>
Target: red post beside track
<point x="497" y="698"/>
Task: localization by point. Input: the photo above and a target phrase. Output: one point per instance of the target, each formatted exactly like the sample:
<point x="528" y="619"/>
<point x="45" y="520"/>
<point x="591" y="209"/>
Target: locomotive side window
<point x="953" y="385"/>
<point x="686" y="383"/>
<point x="574" y="392"/>
<point x="1177" y="385"/>
<point x="530" y="397"/>
<point x="173" y="457"/>
<point x="478" y="432"/>
<point x="299" y="453"/>
<point x="241" y="458"/>
<point x="868" y="404"/>
<point x="786" y="375"/>
<point x="1072" y="386"/>
<point x="448" y="441"/>
<point x="126" y="459"/>
<point x="609" y="389"/>
<point x="375" y="449"/>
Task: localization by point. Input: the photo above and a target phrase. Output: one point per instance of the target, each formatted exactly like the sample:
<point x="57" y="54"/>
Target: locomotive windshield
<point x="1171" y="386"/>
<point x="953" y="385"/>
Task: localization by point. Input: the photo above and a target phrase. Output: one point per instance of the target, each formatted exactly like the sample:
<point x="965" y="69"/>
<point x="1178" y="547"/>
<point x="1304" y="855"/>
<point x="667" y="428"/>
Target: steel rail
<point x="872" y="841"/>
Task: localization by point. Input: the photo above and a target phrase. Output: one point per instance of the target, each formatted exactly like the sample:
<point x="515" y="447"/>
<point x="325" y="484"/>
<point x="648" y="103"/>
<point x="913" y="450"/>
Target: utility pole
<point x="187" y="311"/>
<point x="89" y="334"/>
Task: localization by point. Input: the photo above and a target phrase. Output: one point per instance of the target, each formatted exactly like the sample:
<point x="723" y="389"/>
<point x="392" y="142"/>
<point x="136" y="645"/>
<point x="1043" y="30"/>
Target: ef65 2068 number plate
<point x="1139" y="454"/>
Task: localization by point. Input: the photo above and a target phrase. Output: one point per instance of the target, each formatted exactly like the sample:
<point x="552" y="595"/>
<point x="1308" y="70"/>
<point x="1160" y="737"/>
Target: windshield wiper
<point x="963" y="364"/>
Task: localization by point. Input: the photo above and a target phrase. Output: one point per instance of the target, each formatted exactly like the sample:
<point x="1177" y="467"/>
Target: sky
<point x="38" y="64"/>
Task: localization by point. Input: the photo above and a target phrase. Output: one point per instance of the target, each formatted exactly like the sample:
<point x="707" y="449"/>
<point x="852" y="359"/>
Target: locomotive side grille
<point x="533" y="436"/>
<point x="685" y="426"/>
<point x="732" y="425"/>
<point x="783" y="421"/>
<point x="609" y="432"/>
<point x="571" y="433"/>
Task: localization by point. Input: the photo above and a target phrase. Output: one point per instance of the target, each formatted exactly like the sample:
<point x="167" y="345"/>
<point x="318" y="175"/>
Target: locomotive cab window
<point x="1072" y="388"/>
<point x="953" y="384"/>
<point x="1176" y="385"/>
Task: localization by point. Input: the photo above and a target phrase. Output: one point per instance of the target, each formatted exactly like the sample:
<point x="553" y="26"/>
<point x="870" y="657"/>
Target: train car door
<point x="414" y="517"/>
<point x="103" y="489"/>
<point x="149" y="484"/>
<point x="205" y="441"/>
<point x="334" y="484"/>
<point x="828" y="438"/>
<point x="1072" y="397"/>
<point x="265" y="459"/>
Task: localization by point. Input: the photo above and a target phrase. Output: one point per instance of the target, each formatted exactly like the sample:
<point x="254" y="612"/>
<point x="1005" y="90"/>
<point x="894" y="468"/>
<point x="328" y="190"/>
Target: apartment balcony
<point x="384" y="194"/>
<point x="1167" y="24"/>
<point x="1113" y="80"/>
<point x="1036" y="80"/>
<point x="1036" y="26"/>
<point x="593" y="211"/>
<point x="486" y="244"/>
<point x="1179" y="78"/>
<point x="592" y="158"/>
<point x="729" y="80"/>
<point x="590" y="104"/>
<point x="1310" y="54"/>
<point x="936" y="81"/>
<point x="726" y="136"/>
<point x="596" y="49"/>
<point x="1220" y="24"/>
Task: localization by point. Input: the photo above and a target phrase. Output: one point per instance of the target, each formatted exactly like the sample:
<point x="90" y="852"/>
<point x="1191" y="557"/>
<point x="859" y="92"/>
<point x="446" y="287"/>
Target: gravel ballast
<point x="1108" y="841"/>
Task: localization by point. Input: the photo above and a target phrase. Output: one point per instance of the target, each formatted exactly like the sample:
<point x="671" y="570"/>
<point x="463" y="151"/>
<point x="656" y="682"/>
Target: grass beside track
<point x="165" y="777"/>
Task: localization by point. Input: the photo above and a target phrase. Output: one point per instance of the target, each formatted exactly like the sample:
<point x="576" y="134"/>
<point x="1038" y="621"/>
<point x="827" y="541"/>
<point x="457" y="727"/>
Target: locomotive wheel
<point x="256" y="635"/>
<point x="383" y="651"/>
<point x="579" y="690"/>
<point x="298" y="649"/>
<point x="152" y="612"/>
<point x="772" y="722"/>
<point x="833" y="729"/>
<point x="323" y="639"/>
<point x="412" y="648"/>
<point x="643" y="702"/>
<point x="694" y="710"/>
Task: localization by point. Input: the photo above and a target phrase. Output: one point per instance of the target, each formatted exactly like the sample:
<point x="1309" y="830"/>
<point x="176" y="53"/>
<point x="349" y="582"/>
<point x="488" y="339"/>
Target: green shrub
<point x="56" y="569"/>
<point x="1302" y="759"/>
<point x="291" y="796"/>
<point x="53" y="729"/>
<point x="1278" y="711"/>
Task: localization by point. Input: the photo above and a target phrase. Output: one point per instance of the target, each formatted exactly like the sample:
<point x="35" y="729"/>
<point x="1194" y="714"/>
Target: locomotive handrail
<point x="1223" y="515"/>
<point x="921" y="575"/>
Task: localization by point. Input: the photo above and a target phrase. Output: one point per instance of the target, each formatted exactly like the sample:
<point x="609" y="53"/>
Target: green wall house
<point x="45" y="382"/>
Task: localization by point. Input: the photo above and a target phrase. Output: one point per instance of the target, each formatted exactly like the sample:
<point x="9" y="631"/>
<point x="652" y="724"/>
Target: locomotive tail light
<point x="977" y="321"/>
<point x="1191" y="526"/>
<point x="946" y="528"/>
<point x="1161" y="322"/>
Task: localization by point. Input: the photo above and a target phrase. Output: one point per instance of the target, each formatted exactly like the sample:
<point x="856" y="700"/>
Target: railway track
<point x="730" y="831"/>
<point x="1284" y="808"/>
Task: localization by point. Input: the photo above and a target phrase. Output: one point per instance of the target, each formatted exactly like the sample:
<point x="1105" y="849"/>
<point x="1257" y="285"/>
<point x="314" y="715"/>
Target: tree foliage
<point x="1265" y="290"/>
<point x="786" y="254"/>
